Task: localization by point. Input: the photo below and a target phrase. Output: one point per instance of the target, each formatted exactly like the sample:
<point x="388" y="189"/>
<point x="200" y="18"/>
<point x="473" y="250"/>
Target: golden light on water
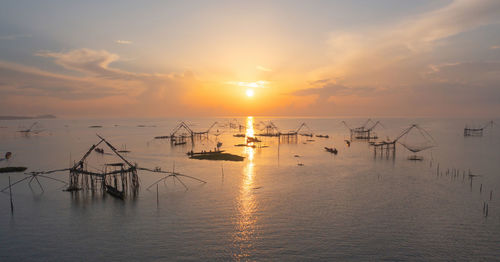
<point x="249" y="150"/>
<point x="247" y="204"/>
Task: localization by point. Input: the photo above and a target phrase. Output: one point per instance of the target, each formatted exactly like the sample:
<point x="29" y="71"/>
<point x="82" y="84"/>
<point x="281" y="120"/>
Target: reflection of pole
<point x="279" y="143"/>
<point x="222" y="167"/>
<point x="10" y="194"/>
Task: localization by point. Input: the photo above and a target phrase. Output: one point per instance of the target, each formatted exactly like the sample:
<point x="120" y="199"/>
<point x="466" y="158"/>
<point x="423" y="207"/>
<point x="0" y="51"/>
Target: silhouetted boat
<point x="252" y="139"/>
<point x="331" y="150"/>
<point x="115" y="192"/>
<point x="99" y="150"/>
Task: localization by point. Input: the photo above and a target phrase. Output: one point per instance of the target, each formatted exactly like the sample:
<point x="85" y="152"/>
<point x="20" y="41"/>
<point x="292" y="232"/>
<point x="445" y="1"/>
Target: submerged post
<point x="10" y="194"/>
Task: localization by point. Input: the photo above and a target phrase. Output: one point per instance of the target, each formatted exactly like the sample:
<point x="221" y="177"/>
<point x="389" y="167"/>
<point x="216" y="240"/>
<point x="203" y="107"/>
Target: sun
<point x="250" y="92"/>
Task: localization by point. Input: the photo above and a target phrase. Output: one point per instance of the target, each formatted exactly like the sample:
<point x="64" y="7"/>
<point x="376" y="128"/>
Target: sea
<point x="288" y="200"/>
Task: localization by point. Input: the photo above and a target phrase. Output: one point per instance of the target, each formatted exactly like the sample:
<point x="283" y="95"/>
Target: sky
<point x="386" y="58"/>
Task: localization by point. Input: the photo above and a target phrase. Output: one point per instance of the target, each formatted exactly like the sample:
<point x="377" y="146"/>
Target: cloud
<point x="466" y="73"/>
<point x="29" y="81"/>
<point x="261" y="68"/>
<point x="333" y="89"/>
<point x="256" y="84"/>
<point x="123" y="42"/>
<point x="14" y="37"/>
<point x="362" y="52"/>
<point x="125" y="92"/>
<point x="84" y="60"/>
<point x="495" y="47"/>
<point x="395" y="67"/>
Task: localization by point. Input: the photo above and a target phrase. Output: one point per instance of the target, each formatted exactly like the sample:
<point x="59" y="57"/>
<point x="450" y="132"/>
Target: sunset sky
<point x="261" y="58"/>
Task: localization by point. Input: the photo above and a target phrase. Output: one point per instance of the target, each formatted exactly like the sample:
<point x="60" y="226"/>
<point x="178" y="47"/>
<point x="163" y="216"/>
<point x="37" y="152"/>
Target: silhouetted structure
<point x="476" y="131"/>
<point x="363" y="132"/>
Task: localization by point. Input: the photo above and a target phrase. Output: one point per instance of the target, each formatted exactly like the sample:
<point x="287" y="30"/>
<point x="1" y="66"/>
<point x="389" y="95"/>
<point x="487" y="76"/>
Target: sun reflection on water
<point x="245" y="222"/>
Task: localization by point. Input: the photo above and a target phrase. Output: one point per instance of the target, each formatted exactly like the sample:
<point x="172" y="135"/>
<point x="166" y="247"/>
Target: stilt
<point x="10" y="195"/>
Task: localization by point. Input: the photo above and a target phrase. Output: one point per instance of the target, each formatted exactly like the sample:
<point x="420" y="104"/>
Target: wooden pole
<point x="157" y="199"/>
<point x="10" y="194"/>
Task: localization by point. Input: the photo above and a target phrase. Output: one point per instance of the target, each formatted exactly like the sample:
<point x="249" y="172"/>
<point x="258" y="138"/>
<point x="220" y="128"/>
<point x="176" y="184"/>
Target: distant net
<point x="417" y="139"/>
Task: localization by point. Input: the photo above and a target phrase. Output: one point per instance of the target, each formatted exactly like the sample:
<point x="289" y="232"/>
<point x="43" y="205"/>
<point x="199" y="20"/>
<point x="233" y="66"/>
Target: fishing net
<point x="417" y="139"/>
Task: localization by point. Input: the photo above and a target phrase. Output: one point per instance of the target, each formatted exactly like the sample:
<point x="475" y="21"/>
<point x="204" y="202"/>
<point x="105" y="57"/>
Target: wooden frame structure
<point x="117" y="178"/>
<point x="476" y="131"/>
<point x="363" y="132"/>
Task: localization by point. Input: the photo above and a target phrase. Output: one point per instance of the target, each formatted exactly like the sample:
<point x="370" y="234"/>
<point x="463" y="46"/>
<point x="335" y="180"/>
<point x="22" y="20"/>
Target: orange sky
<point x="336" y="58"/>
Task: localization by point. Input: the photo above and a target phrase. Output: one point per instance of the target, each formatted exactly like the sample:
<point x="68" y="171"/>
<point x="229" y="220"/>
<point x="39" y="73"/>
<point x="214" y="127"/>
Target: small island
<point x="217" y="155"/>
<point x="27" y="117"/>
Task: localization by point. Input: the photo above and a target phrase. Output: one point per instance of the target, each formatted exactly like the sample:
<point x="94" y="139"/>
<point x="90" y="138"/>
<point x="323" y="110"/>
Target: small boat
<point x="252" y="139"/>
<point x="123" y="151"/>
<point x="191" y="153"/>
<point x="323" y="136"/>
<point x="239" y="135"/>
<point x="115" y="192"/>
<point x="331" y="150"/>
<point x="179" y="143"/>
<point x="99" y="150"/>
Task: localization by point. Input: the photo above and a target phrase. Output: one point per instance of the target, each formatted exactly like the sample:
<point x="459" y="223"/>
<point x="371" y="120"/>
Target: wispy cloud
<point x="256" y="84"/>
<point x="392" y="67"/>
<point x="123" y="42"/>
<point x="261" y="68"/>
<point x="365" y="51"/>
<point x="14" y="37"/>
<point x="100" y="85"/>
<point x="495" y="47"/>
<point x="95" y="62"/>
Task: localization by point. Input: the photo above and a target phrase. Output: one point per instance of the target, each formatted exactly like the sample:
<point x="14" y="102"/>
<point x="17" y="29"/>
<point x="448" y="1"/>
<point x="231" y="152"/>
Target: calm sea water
<point x="349" y="207"/>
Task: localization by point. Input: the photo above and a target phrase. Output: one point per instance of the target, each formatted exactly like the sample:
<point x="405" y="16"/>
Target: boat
<point x="252" y="139"/>
<point x="191" y="153"/>
<point x="115" y="192"/>
<point x="323" y="136"/>
<point x="99" y="150"/>
<point x="239" y="135"/>
<point x="331" y="150"/>
<point x="180" y="143"/>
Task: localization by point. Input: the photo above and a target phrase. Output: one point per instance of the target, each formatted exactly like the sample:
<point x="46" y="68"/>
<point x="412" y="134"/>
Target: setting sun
<point x="250" y="92"/>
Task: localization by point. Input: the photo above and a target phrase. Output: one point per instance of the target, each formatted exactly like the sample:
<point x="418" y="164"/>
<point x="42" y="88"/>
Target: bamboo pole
<point x="10" y="195"/>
